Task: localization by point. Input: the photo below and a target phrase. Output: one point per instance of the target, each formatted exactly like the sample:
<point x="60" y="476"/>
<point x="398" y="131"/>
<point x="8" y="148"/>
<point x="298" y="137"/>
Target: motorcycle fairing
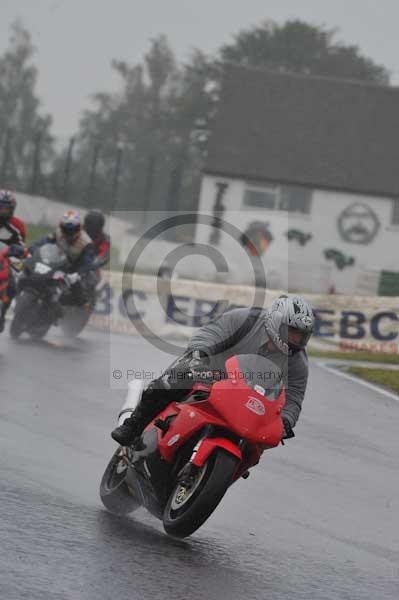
<point x="262" y="426"/>
<point x="208" y="445"/>
<point x="265" y="430"/>
<point x="188" y="420"/>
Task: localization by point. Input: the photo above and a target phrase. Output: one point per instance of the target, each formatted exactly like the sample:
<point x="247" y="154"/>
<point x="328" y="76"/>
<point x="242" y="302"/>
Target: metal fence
<point x="100" y="172"/>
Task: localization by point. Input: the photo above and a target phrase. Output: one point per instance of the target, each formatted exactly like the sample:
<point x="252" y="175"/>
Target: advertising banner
<point x="156" y="307"/>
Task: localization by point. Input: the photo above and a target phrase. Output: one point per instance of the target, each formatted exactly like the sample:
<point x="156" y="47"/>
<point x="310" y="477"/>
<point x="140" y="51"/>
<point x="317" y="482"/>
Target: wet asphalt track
<point x="319" y="519"/>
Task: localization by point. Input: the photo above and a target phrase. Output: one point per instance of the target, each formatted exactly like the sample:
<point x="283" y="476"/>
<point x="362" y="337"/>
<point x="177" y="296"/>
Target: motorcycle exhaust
<point x="133" y="398"/>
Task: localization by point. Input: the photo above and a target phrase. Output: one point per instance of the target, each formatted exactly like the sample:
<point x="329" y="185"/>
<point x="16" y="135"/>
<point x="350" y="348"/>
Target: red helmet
<point x="7" y="204"/>
<point x="70" y="225"/>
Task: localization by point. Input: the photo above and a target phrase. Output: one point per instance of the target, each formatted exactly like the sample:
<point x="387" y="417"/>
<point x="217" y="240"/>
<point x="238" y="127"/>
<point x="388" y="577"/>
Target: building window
<point x="278" y="197"/>
<point x="296" y="199"/>
<point x="395" y="211"/>
<point x="261" y="197"/>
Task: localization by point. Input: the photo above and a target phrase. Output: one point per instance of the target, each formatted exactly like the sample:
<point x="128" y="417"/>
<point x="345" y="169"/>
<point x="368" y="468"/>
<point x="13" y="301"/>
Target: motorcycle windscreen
<point x="251" y="398"/>
<point x="52" y="255"/>
<point x="258" y="373"/>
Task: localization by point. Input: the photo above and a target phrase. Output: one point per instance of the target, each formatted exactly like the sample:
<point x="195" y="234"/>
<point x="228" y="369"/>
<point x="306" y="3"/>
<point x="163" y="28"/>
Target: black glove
<point x="180" y="376"/>
<point x="201" y="369"/>
<point x="198" y="359"/>
<point x="16" y="250"/>
<point x="288" y="431"/>
<point x="183" y="373"/>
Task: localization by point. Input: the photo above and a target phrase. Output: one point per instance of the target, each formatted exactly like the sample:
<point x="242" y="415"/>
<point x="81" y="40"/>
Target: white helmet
<point x="290" y="323"/>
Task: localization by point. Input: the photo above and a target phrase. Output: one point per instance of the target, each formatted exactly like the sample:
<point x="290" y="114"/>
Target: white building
<point x="316" y="160"/>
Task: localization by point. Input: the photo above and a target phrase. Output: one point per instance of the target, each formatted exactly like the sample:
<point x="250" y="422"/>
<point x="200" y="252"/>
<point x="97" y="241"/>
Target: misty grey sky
<point x="77" y="39"/>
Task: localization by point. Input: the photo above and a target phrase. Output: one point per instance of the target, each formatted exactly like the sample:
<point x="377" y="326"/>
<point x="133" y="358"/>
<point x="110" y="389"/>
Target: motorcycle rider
<point x="79" y="250"/>
<point x="12" y="233"/>
<point x="280" y="334"/>
<point x="93" y="225"/>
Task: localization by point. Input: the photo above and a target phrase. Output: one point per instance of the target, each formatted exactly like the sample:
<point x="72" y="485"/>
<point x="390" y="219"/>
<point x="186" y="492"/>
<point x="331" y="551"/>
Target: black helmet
<point x="94" y="222"/>
<point x="7" y="204"/>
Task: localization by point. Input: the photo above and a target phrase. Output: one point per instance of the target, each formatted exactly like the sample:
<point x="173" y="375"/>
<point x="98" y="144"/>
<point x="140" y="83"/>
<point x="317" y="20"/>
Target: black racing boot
<point x="131" y="429"/>
<point x="154" y="399"/>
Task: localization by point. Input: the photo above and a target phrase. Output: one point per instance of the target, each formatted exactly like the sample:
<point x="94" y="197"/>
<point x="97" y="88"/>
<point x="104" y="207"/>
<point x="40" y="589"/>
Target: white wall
<point x="42" y="211"/>
<point x="287" y="264"/>
<point x="39" y="210"/>
<point x="307" y="262"/>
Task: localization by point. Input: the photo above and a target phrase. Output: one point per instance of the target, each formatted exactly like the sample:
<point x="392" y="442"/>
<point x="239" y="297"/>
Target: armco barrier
<point x="177" y="308"/>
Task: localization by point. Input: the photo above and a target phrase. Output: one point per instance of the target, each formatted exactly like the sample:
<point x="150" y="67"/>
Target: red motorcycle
<point x="194" y="450"/>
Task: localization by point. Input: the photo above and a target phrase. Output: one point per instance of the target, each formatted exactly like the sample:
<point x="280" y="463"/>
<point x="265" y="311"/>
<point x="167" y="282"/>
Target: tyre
<point x="37" y="333"/>
<point x="189" y="507"/>
<point x="114" y="492"/>
<point x="75" y="320"/>
<point x="24" y="314"/>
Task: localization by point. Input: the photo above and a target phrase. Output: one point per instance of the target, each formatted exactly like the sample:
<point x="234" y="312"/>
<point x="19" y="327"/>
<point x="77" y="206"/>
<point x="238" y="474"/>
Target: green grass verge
<point x="35" y="232"/>
<point x="390" y="359"/>
<point x="384" y="377"/>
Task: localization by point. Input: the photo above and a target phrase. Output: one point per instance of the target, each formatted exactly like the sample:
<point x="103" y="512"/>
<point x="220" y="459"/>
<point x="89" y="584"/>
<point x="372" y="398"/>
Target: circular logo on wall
<point x="358" y="224"/>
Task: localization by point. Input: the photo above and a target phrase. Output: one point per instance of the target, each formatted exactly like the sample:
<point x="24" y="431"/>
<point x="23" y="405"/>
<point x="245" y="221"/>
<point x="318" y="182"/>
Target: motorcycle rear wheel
<point x="114" y="492"/>
<point x="188" y="509"/>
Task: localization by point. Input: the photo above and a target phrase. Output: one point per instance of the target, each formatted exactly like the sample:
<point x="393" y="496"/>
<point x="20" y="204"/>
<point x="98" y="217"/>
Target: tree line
<point x="143" y="147"/>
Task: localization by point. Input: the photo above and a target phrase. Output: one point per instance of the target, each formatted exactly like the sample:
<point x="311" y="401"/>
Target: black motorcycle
<point x="40" y="287"/>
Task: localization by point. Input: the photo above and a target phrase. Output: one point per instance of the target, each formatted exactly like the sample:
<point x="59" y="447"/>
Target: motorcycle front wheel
<point x="75" y="320"/>
<point x="190" y="505"/>
<point x="38" y="332"/>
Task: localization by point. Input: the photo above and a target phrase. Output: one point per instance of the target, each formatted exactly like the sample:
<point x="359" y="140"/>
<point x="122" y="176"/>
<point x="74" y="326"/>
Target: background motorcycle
<point x="4" y="273"/>
<point x="9" y="259"/>
<point x="40" y="288"/>
<point x="194" y="450"/>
